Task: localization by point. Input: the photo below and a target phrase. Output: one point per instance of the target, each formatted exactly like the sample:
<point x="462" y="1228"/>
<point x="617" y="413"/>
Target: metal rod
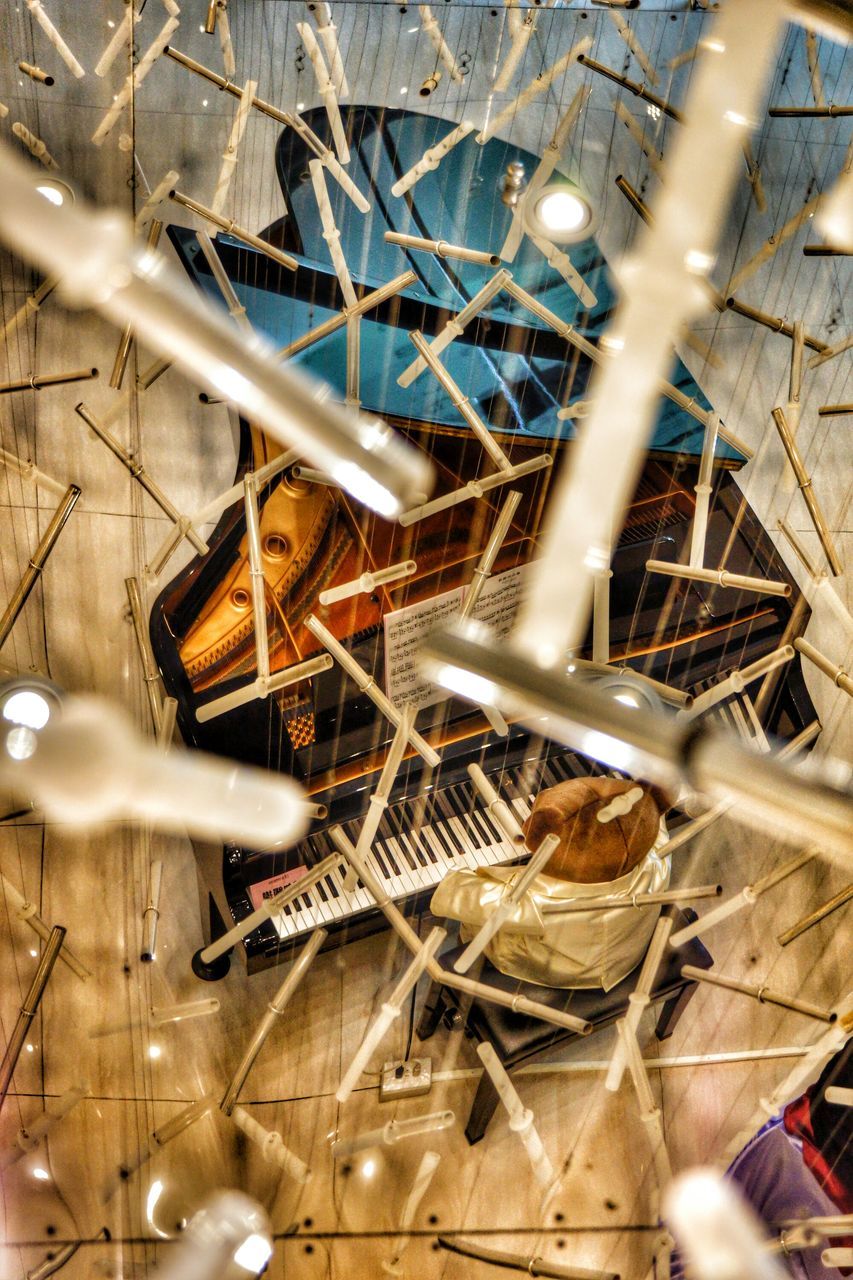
<point x="761" y="994"/>
<point x="825" y="251"/>
<point x="295" y="122"/>
<point x="803" y="112"/>
<point x="37" y="561"/>
<point x="833" y="410"/>
<point x="442" y="249"/>
<point x="140" y="475"/>
<point x="150" y="673"/>
<point x="837" y="675"/>
<point x="29" y="1009"/>
<point x="155" y="229"/>
<point x="804" y="484"/>
<point x="38" y="380"/>
<point x="231" y="227"/>
<point x="634" y="199"/>
<point x="829" y="353"/>
<point x="720" y="577"/>
<point x="274" y="1011"/>
<point x="776" y="323"/>
<point x="639" y="90"/>
<point x="815" y="917"/>
<point x="460" y="401"/>
<point x="534" y="1266"/>
<point x="36" y="73"/>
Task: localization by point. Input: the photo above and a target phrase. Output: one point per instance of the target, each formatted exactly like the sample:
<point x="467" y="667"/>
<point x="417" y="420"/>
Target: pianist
<point x="611" y="835"/>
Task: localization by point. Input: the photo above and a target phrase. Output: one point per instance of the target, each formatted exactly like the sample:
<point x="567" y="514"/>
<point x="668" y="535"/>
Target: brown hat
<point x="591" y="851"/>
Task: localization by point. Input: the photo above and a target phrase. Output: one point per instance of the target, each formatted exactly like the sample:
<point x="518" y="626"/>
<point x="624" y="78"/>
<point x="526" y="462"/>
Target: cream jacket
<point x="596" y="948"/>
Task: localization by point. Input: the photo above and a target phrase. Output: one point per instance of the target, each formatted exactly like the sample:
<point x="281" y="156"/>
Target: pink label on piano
<point x="266" y="889"/>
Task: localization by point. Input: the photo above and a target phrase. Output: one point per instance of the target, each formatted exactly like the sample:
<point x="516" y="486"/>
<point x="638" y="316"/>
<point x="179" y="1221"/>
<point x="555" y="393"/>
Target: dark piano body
<point x="328" y="735"/>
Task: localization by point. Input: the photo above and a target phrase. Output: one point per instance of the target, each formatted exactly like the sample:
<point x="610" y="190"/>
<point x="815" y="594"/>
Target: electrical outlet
<point x="407" y="1079"/>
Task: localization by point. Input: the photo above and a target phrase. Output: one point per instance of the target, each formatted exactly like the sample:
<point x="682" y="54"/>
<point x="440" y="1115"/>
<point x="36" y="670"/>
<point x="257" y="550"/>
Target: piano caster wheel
<point x="214" y="971"/>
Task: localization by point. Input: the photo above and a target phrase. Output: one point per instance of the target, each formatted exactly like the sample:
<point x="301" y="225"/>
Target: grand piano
<point x="517" y="373"/>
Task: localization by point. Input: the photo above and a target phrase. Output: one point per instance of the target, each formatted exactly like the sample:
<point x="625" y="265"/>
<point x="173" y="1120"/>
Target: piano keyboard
<point x="456" y="832"/>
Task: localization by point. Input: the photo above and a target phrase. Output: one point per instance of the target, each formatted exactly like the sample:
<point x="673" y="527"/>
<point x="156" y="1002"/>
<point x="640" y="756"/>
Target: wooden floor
<point x="601" y="1211"/>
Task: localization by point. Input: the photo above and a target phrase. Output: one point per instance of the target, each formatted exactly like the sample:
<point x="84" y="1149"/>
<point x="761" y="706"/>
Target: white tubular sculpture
<point x="326" y="90"/>
<point x="505" y="908"/>
<point x="703" y="493"/>
<point x="837" y="675"/>
<point x="540" y="85"/>
<point x="543" y="171"/>
<point x="269" y="909"/>
<point x="328" y="33"/>
<point x="168" y="720"/>
<point x="475" y="489"/>
<point x="37" y="10"/>
<point x="460" y="401"/>
<point x="166" y="184"/>
<point x="672" y="255"/>
<point x="331" y="234"/>
<point x="235" y="307"/>
<point x="29" y="1136"/>
<point x="520" y="40"/>
<point x="431" y="158"/>
<point x="390" y="1011"/>
<point x="392" y="1132"/>
<point x="230" y="1234"/>
<point x="181" y="1012"/>
<point x="456" y="327"/>
<point x="120" y="35"/>
<point x="639" y="1001"/>
<point x="497" y="807"/>
<point x="637" y="134"/>
<point x="262" y="687"/>
<point x="258" y="582"/>
<point x="831" y="352"/>
<point x="378" y="802"/>
<point x="272" y="1146"/>
<point x="520" y="1117"/>
<point x="818" y="588"/>
<point x="151" y="914"/>
<point x="650" y="1114"/>
<point x="352" y="396"/>
<point x="423" y="1177"/>
<point x="34" y="145"/>
<point x="28" y="914"/>
<point x="634" y="45"/>
<point x="431" y="27"/>
<point x="90" y="766"/>
<point x="561" y="262"/>
<point x="229" y="155"/>
<point x="747" y="897"/>
<point x="490" y="551"/>
<point x="29" y="471"/>
<point x="716" y="1230"/>
<point x="839" y="1097"/>
<point x="134" y="80"/>
<point x="100" y="265"/>
<point x="223" y="28"/>
<point x="274" y="1011"/>
<point x="773" y="244"/>
<point x="367" y="582"/>
<point x="737" y="681"/>
<point x="369" y="686"/>
<point x="720" y="578"/>
<point x="370" y="300"/>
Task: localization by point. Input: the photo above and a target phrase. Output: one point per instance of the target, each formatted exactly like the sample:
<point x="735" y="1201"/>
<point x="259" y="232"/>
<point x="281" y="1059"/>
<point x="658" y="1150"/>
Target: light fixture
<point x="254" y="1253"/>
<point x="513" y="183"/>
<point x="560" y="212"/>
<point x="54" y="190"/>
<point x="26" y="705"/>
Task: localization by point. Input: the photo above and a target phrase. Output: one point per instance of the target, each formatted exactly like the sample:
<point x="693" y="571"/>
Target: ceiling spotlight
<point x="56" y="191"/>
<point x="560" y="212"/>
<point x="26" y="705"/>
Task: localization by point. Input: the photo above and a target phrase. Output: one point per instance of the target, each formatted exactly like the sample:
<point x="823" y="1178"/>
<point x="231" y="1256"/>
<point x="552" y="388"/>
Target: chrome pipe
<point x="34" y="569"/>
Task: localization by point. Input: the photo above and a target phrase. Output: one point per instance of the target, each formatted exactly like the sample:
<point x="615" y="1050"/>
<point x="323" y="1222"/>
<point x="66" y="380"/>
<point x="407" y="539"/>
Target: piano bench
<point x="517" y="1038"/>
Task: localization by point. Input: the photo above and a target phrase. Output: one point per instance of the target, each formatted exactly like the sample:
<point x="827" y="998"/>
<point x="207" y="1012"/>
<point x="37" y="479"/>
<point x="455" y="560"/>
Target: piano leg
<point x="433" y="1011"/>
<point x="482" y="1109"/>
<point x="215" y="927"/>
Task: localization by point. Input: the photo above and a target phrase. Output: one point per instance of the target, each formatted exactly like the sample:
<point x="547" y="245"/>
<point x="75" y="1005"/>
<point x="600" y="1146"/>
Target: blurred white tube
<point x="229" y="1228"/>
<point x="119" y="36"/>
<point x="639" y="1000"/>
<point x="272" y="1146"/>
<point x="134" y="80"/>
<point x="101" y="266"/>
<point x="37" y="10"/>
<point x="662" y="292"/>
<point x="89" y="766"/>
<point x="229" y="155"/>
<point x="30" y="1135"/>
<point x="34" y="145"/>
<point x="180" y="1012"/>
<point x="716" y="1230"/>
<point x="506" y="907"/>
<point x="533" y="89"/>
<point x="520" y="1117"/>
<point x="392" y="1132"/>
<point x="29" y="471"/>
<point x="703" y="493"/>
<point x="423" y="1177"/>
